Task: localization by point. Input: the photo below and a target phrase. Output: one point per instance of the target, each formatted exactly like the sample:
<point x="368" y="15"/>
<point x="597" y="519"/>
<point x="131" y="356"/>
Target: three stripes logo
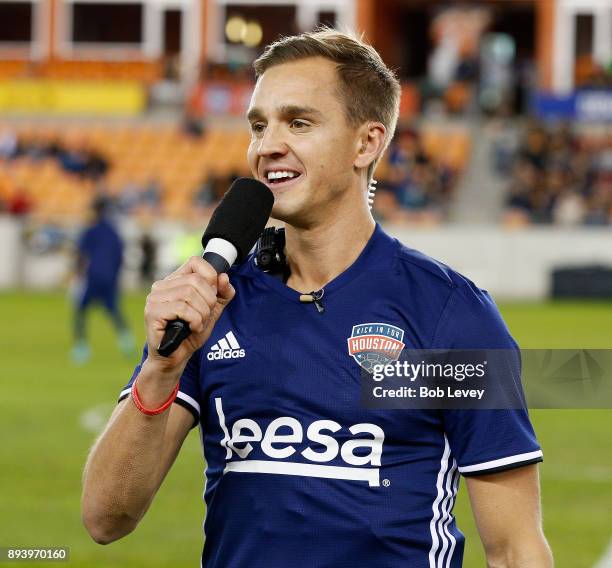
<point x="226" y="348"/>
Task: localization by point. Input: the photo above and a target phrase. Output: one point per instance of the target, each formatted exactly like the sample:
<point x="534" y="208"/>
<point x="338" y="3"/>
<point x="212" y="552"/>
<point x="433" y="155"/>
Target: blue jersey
<point x="299" y="473"/>
<point x="102" y="247"/>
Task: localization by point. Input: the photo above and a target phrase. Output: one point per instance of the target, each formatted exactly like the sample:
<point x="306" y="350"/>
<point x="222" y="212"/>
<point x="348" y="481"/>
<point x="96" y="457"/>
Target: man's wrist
<point x="156" y="384"/>
<point x="152" y="411"/>
<point x="163" y="368"/>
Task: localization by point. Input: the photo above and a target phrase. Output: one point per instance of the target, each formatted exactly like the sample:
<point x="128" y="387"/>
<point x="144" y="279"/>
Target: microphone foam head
<point x="241" y="216"/>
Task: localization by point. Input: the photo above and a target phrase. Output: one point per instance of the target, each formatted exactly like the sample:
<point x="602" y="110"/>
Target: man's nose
<point x="272" y="142"/>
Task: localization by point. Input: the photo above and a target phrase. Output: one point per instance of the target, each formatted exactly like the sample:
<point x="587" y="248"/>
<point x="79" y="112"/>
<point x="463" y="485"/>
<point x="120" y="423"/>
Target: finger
<point x="192" y="279"/>
<point x="164" y="312"/>
<point x="198" y="265"/>
<point x="185" y="293"/>
<point x="194" y="282"/>
<point x="225" y="290"/>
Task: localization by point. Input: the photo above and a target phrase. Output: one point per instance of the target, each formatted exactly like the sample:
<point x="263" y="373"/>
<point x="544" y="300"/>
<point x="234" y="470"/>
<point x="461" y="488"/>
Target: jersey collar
<point x="377" y="254"/>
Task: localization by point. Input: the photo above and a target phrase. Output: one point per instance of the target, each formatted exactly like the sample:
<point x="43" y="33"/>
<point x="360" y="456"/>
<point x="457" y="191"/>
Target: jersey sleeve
<point x="485" y="441"/>
<point x="188" y="393"/>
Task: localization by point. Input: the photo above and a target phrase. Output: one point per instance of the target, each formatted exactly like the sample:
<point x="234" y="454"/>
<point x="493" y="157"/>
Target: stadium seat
<point x="139" y="153"/>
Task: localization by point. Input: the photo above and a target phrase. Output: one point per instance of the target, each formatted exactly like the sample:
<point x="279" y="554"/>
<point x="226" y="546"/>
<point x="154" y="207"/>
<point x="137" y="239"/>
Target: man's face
<point x="302" y="146"/>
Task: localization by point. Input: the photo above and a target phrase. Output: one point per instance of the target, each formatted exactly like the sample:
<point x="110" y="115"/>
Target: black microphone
<point x="233" y="230"/>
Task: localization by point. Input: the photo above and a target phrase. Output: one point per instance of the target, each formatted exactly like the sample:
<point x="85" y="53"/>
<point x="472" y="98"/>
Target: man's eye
<point x="257" y="127"/>
<point x="298" y="124"/>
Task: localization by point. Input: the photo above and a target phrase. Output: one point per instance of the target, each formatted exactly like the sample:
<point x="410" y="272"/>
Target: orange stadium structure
<point x="69" y="57"/>
<point x="179" y="162"/>
<point x="144" y="71"/>
<point x="54" y="38"/>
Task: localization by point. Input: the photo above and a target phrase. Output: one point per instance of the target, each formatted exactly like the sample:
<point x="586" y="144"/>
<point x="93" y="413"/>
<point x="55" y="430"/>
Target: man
<point x="100" y="256"/>
<point x="299" y="473"/>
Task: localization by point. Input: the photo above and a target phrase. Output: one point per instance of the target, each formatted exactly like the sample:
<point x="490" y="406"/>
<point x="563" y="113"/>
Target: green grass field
<point x="44" y="442"/>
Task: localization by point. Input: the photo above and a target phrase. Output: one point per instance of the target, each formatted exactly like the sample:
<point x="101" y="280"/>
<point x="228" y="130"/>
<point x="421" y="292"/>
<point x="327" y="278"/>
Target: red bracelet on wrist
<point x="148" y="411"/>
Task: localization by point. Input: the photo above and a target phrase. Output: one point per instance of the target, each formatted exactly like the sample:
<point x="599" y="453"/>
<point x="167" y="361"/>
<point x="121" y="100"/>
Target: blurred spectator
<point x="193" y="114"/>
<point x="73" y="161"/>
<point x="561" y="147"/>
<point x="82" y="160"/>
<point x="9" y="145"/>
<point x="41" y="148"/>
<point x="133" y="196"/>
<point x="599" y="204"/>
<point x="204" y="195"/>
<point x="193" y="125"/>
<point x="505" y="142"/>
<point x="558" y="177"/>
<point x="569" y="209"/>
<point x="45" y="239"/>
<point x="211" y="190"/>
<point x="19" y="204"/>
<point x="148" y="250"/>
<point x="444" y="62"/>
<point x="129" y="198"/>
<point x="151" y="193"/>
<point x="535" y="147"/>
<point x="415" y="184"/>
<point x="97" y="165"/>
<point x="522" y="186"/>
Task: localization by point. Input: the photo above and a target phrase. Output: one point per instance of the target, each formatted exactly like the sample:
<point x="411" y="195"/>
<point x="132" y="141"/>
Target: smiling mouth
<point x="278" y="179"/>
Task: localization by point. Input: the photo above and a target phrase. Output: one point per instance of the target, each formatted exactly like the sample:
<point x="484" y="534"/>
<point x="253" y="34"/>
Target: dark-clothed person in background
<point x="100" y="256"/>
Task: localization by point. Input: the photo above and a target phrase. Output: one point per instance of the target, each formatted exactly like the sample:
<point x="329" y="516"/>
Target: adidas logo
<point x="226" y="348"/>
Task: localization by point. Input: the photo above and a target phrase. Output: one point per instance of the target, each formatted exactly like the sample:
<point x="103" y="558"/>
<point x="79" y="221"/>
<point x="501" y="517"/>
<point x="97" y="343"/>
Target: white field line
<point x="606" y="560"/>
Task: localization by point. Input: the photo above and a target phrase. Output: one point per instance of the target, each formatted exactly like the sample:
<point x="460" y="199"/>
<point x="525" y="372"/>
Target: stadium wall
<point x="513" y="265"/>
<point x="509" y="264"/>
<point x="10" y="257"/>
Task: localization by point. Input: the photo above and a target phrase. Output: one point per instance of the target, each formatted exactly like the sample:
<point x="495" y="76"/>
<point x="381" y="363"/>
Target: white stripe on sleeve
<point x="484" y="466"/>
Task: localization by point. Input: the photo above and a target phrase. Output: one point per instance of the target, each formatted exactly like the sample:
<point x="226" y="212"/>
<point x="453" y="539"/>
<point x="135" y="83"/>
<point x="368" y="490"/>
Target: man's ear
<point x="371" y="144"/>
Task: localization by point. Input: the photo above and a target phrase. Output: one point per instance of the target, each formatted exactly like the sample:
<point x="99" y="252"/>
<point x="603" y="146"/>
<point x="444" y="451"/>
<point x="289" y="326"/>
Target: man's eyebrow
<point x="285" y="111"/>
<point x="254" y="114"/>
<point x="297" y="110"/>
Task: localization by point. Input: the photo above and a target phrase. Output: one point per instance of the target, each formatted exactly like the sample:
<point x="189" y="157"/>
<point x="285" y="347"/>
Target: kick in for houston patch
<point x="375" y="344"/>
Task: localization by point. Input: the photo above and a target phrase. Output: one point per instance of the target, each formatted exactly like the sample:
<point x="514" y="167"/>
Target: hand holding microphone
<point x="187" y="304"/>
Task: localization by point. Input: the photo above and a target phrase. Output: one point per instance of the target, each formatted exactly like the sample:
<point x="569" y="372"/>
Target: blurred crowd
<point x="77" y="158"/>
<point x="415" y="186"/>
<point x="555" y="176"/>
<point x="74" y="156"/>
<point x="559" y="177"/>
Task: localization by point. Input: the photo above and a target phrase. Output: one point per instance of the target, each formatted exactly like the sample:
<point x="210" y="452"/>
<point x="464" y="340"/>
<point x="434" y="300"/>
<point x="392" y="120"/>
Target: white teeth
<point x="281" y="174"/>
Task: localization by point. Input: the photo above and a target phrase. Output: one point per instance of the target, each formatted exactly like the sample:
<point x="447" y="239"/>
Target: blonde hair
<point x="368" y="88"/>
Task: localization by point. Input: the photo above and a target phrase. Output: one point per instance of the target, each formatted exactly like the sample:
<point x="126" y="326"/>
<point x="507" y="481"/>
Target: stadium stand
<point x="420" y="172"/>
<point x="147" y="163"/>
<point x="561" y="176"/>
